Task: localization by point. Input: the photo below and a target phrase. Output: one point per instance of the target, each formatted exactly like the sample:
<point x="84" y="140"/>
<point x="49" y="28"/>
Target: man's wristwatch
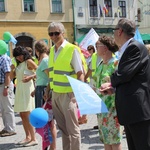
<point x="6" y="87"/>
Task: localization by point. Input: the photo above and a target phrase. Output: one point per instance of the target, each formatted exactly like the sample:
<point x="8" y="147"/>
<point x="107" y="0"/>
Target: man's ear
<point x="120" y="32"/>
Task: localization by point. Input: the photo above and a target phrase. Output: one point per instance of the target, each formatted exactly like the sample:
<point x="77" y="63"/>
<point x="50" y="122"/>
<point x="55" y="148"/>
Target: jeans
<point x="39" y="92"/>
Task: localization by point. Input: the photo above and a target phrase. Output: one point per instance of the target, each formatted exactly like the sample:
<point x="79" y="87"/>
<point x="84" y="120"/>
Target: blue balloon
<point x="38" y="117"/>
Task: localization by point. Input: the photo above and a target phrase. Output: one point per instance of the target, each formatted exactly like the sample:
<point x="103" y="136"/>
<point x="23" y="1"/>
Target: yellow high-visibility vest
<point x="93" y="61"/>
<point x="35" y="60"/>
<point x="62" y="65"/>
<point x="13" y="60"/>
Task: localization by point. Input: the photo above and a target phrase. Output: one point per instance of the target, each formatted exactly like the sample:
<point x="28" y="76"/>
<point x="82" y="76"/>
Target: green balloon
<point x="3" y="47"/>
<point x="7" y="36"/>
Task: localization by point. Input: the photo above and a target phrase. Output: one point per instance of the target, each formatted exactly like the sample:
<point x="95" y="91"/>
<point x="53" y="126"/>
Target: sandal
<point x="31" y="143"/>
<point x="6" y="133"/>
<point x="3" y="131"/>
<point x="23" y="142"/>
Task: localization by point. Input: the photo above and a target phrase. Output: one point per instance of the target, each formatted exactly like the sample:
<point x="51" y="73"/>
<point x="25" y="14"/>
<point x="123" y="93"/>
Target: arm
<point x="80" y="76"/>
<point x="77" y="65"/>
<point x="46" y="72"/>
<point x="88" y="74"/>
<point x="31" y="66"/>
<point x="12" y="73"/>
<point x="129" y="65"/>
<point x="6" y="83"/>
<point x="6" y="69"/>
<point x="46" y="95"/>
<point x="47" y="91"/>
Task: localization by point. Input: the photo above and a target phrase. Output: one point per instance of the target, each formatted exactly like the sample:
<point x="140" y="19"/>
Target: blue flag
<point x="137" y="36"/>
<point x="88" y="101"/>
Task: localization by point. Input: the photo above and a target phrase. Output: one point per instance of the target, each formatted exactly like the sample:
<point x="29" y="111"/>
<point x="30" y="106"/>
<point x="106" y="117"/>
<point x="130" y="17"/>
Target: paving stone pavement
<point x="89" y="137"/>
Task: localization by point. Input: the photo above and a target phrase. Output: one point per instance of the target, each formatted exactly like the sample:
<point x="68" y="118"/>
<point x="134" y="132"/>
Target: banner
<point x="90" y="39"/>
<point x="88" y="101"/>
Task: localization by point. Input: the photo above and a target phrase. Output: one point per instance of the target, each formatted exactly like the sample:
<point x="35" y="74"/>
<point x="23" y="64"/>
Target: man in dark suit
<point x="131" y="83"/>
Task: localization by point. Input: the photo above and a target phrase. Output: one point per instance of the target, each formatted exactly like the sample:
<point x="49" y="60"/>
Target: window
<point x="29" y="6"/>
<point x="93" y="8"/>
<point x="122" y="7"/>
<point x="56" y="6"/>
<point x="108" y="5"/>
<point x="2" y="6"/>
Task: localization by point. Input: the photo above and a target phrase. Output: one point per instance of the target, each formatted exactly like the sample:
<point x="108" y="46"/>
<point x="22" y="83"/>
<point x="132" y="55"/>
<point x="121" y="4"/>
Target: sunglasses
<point x="53" y="33"/>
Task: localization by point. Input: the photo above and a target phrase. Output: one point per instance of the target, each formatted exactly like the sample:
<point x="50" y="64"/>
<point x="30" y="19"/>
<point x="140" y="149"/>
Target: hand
<point x="26" y="79"/>
<point x="12" y="67"/>
<point x="105" y="86"/>
<point x="5" y="92"/>
<point x="33" y="93"/>
<point x="46" y="95"/>
<point x="106" y="89"/>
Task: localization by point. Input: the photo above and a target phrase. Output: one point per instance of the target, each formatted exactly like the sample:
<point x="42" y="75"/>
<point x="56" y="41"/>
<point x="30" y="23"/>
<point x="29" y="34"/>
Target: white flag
<point x="88" y="101"/>
<point x="90" y="39"/>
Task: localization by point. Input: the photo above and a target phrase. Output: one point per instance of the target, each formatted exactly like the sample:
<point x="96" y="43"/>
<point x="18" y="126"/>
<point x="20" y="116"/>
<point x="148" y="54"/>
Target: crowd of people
<point x="122" y="83"/>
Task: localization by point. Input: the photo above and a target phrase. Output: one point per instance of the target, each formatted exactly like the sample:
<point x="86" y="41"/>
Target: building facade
<point x="27" y="20"/>
<point x="144" y="19"/>
<point x="102" y="15"/>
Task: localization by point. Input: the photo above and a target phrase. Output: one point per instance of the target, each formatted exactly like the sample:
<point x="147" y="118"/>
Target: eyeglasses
<point x="53" y="33"/>
<point x="99" y="45"/>
<point x="115" y="29"/>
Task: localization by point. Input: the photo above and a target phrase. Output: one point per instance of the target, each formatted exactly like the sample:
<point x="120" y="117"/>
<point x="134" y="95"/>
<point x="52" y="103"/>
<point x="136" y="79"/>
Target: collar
<point x="123" y="48"/>
<point x="62" y="45"/>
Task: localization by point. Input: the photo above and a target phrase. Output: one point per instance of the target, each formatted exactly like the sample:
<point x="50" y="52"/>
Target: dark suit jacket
<point x="132" y="83"/>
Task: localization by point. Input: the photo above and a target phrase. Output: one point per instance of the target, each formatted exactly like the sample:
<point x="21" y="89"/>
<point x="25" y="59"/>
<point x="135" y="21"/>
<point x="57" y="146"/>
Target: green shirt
<point x="41" y="76"/>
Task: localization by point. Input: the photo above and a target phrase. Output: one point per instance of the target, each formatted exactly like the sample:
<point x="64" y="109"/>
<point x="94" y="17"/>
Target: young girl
<point x="41" y="83"/>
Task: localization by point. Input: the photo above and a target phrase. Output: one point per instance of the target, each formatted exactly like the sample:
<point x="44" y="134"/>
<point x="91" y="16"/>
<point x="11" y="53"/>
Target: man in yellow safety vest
<point x="64" y="58"/>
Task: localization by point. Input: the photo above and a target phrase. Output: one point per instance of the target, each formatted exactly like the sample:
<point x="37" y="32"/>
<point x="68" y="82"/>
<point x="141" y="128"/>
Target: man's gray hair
<point x="58" y="25"/>
<point x="128" y="26"/>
